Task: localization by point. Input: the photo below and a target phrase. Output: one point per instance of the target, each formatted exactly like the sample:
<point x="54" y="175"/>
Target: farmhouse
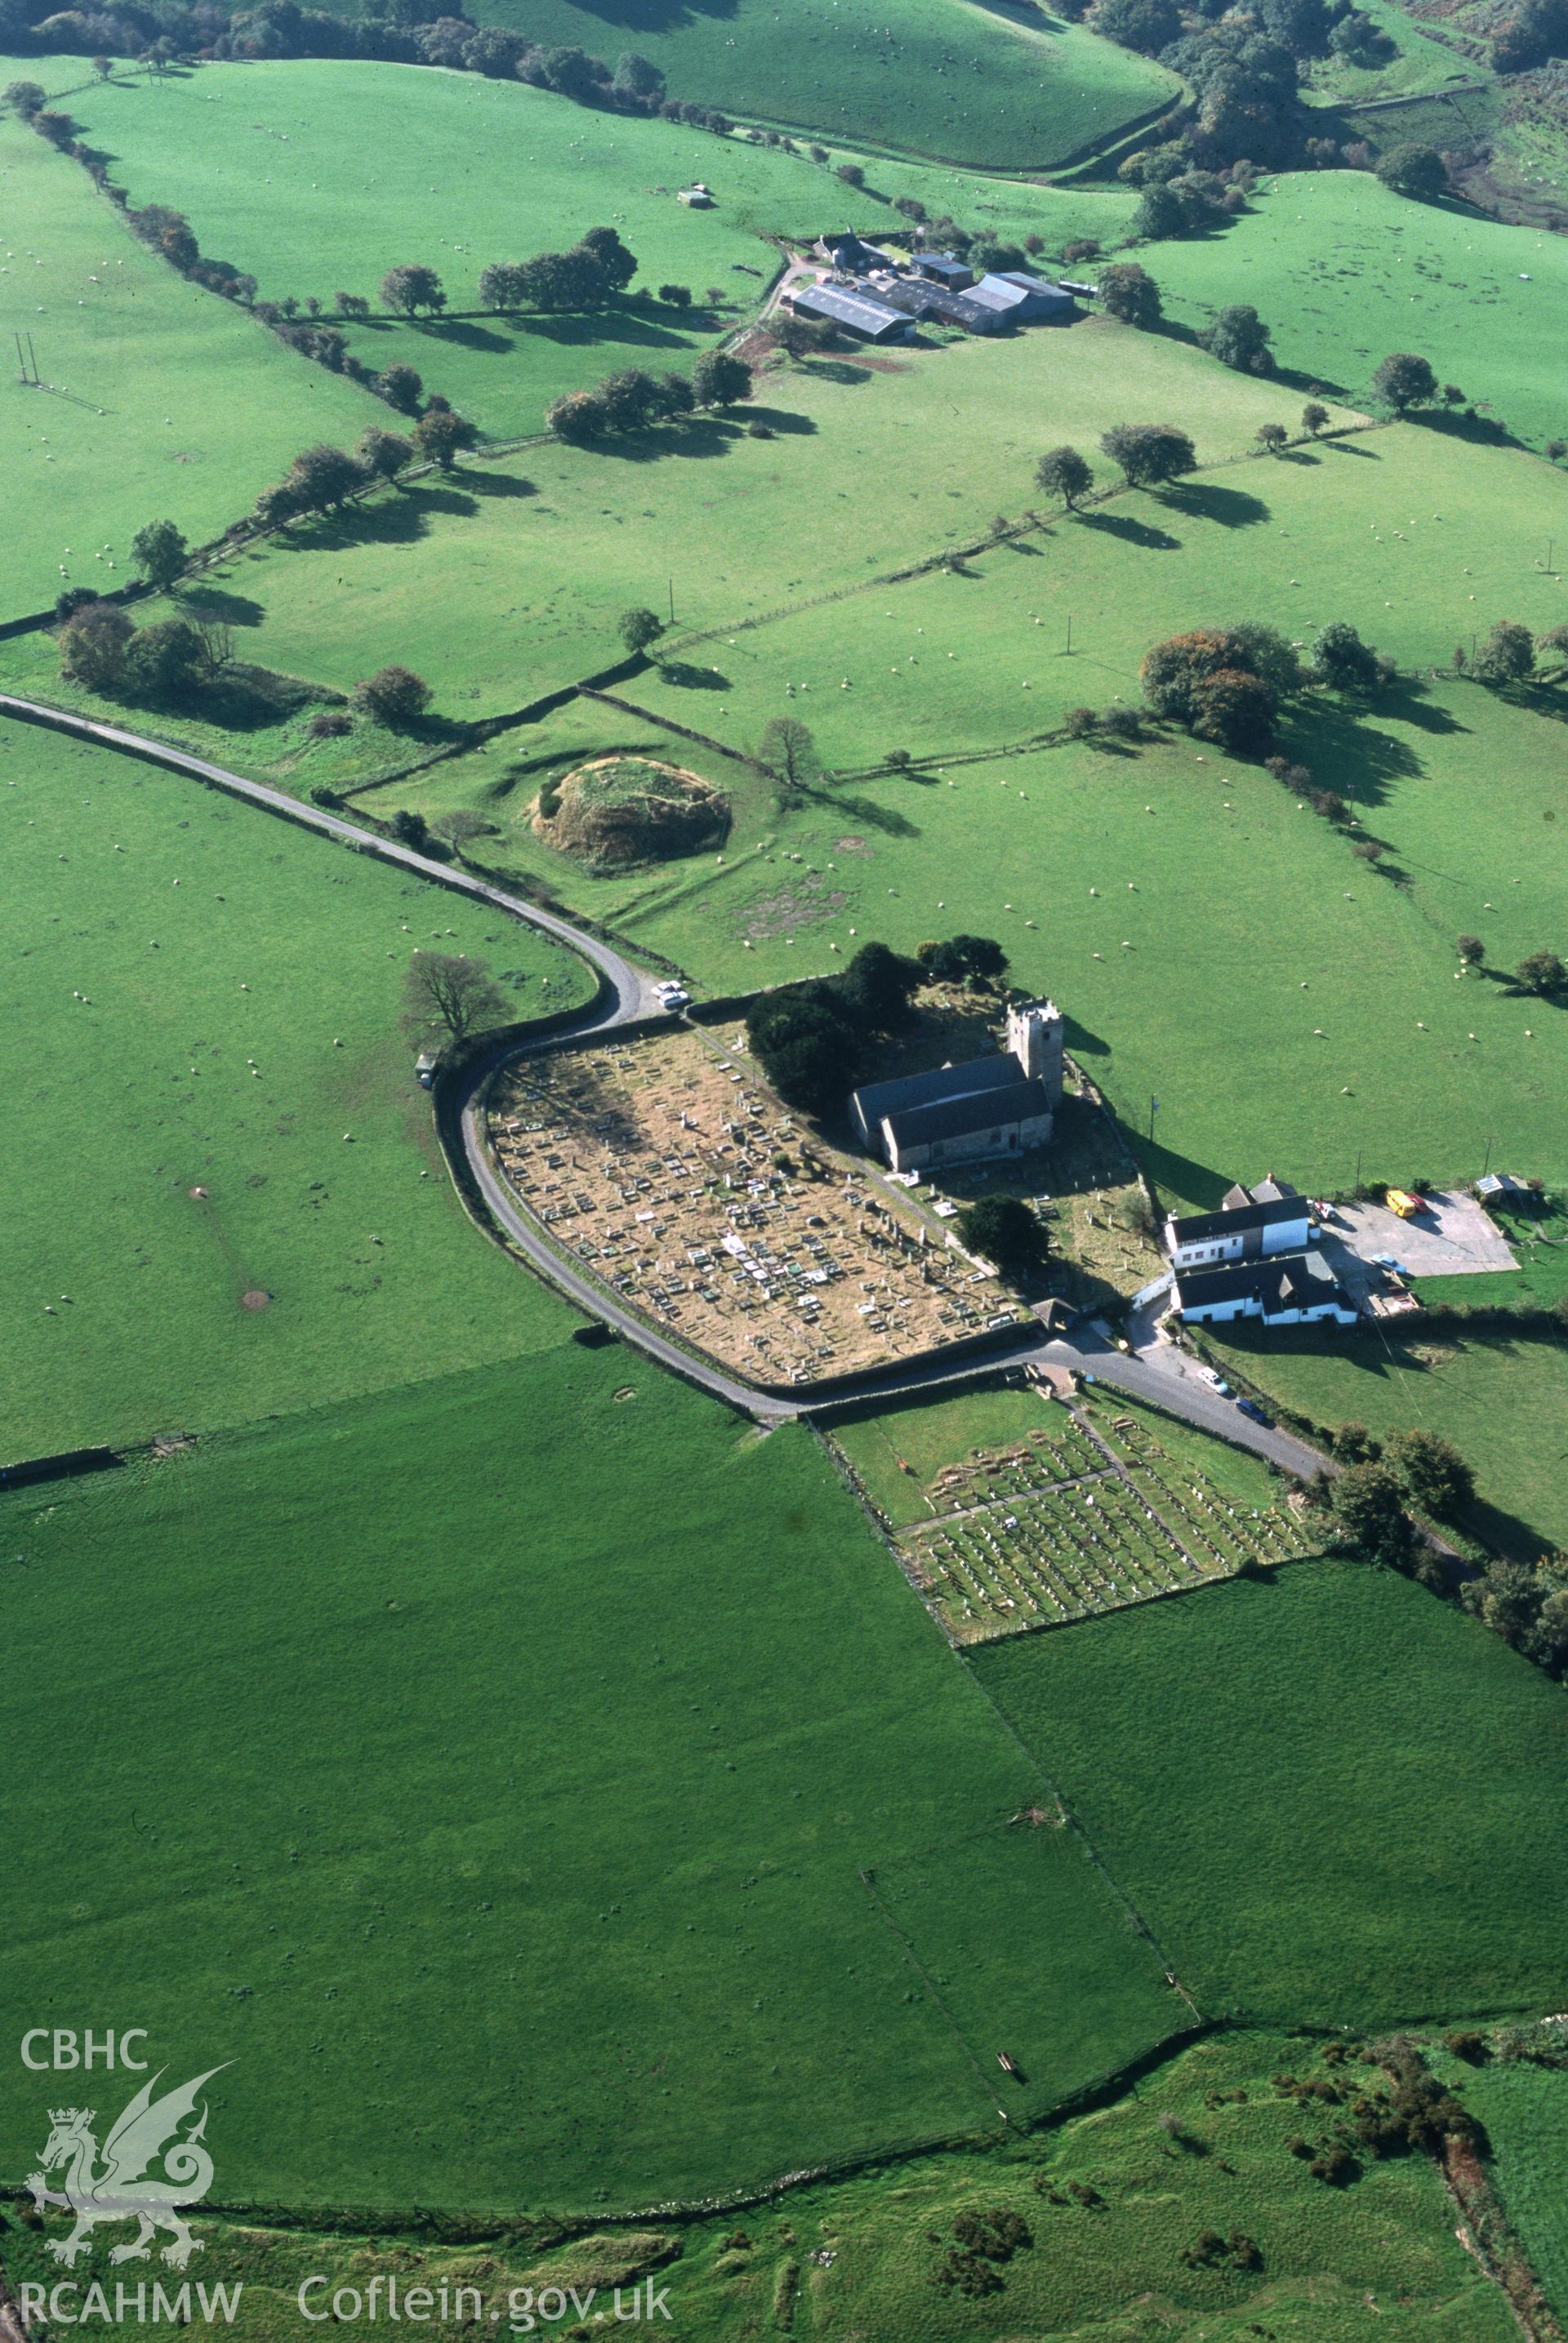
<point x="852" y="256"/>
<point x="863" y="314"/>
<point x="1003" y="1104"/>
<point x="1295" y="1289"/>
<point x="1251" y="1224"/>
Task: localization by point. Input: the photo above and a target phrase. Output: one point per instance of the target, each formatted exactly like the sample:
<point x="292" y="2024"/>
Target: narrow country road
<point x="633" y="992"/>
<point x="1155" y="1373"/>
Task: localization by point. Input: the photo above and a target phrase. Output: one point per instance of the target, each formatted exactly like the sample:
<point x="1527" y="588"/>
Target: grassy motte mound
<point x="619" y="812"/>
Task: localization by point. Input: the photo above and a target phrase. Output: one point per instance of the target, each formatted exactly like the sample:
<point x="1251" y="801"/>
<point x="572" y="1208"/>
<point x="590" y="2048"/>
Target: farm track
<point x="629" y="998"/>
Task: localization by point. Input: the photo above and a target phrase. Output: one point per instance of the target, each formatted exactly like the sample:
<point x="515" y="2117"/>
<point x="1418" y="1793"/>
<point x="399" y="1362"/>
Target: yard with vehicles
<point x="225" y="1196"/>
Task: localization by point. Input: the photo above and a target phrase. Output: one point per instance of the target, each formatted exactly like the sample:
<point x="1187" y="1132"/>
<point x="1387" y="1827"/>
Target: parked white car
<point x="1215" y="1381"/>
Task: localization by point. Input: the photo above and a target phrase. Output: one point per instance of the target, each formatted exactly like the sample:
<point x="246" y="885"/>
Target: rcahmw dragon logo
<point x="116" y="2190"/>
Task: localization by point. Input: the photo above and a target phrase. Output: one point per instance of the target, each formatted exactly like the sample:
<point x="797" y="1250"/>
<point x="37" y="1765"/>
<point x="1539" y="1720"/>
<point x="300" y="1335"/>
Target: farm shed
<point x="923" y="299"/>
<point x="698" y="199"/>
<point x="860" y="313"/>
<point x="1270" y="1218"/>
<point x="1292" y="1290"/>
<point x="1044" y="304"/>
<point x="943" y="268"/>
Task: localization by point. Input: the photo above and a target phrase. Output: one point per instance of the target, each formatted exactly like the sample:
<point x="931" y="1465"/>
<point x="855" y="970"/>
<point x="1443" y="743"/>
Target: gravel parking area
<point x="1454" y="1238"/>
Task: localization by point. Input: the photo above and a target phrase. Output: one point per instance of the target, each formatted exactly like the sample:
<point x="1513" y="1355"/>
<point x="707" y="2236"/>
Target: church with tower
<point x="996" y="1106"/>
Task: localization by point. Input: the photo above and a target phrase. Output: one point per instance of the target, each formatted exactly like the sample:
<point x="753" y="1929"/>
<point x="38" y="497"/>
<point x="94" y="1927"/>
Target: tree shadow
<point x="585" y="332"/>
<point x="869" y="811"/>
<point x="499" y="484"/>
<point x="402" y="519"/>
<point x="1349" y="448"/>
<point x="1477" y="431"/>
<point x="685" y="677"/>
<point x="1131" y="532"/>
<point x="1297" y="456"/>
<point x="1350" y="755"/>
<point x="464" y="331"/>
<point x="220" y="608"/>
<point x="1230" y="508"/>
<point x="783" y="420"/>
<point x="836" y="370"/>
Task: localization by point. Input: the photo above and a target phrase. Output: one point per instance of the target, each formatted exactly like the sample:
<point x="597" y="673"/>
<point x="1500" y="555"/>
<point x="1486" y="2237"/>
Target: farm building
<point x="943" y="268"/>
<point x="863" y="314"/>
<point x="852" y="257"/>
<point x="1028" y="300"/>
<point x="1251" y="1224"/>
<point x="920" y="298"/>
<point x="700" y="197"/>
<point x="1296" y="1289"/>
<point x="1004" y="1104"/>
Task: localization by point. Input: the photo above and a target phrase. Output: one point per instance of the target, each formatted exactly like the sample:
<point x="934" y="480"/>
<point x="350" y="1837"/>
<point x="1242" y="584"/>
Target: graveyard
<point x="665" y="1166"/>
<point x="1089" y="1513"/>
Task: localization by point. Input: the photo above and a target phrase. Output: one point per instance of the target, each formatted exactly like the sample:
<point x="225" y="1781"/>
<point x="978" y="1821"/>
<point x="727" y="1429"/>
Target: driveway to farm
<point x="1157" y="1374"/>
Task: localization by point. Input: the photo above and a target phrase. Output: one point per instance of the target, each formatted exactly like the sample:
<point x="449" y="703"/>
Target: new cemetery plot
<point x="668" y="1172"/>
<point x="1082" y="1516"/>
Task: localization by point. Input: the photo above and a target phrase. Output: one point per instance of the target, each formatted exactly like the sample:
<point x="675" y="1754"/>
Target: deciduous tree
<point x="395" y="696"/>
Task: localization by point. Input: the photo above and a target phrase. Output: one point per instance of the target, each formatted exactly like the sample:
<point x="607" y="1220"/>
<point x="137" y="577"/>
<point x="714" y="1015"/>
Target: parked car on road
<point x="1215" y="1381"/>
<point x="1250" y="1408"/>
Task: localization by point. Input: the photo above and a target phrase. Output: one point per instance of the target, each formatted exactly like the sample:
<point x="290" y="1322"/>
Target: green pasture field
<point x="1524" y="2109"/>
<point x="1500" y="1398"/>
<point x="316" y="176"/>
<point x="207" y="936"/>
<point x="1267" y="1771"/>
<point x="547" y="1717"/>
<point x="1340" y="1070"/>
<point x="1198" y="2144"/>
<point x="508" y="579"/>
<point x="1421" y="64"/>
<point x="997" y="85"/>
<point x="1371" y="272"/>
<point x="203" y="407"/>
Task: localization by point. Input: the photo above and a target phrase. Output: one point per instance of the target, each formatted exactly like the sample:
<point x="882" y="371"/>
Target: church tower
<point x="1034" y="1037"/>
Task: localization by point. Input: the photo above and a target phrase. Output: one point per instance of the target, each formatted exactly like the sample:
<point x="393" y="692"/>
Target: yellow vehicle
<point x="1407" y="1206"/>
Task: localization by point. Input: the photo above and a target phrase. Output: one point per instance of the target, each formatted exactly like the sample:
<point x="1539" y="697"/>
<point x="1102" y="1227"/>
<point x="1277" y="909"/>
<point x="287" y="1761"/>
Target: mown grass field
<point x="201" y="407"/>
<point x="1500" y="1397"/>
<point x="1422" y="64"/>
<point x="210" y="939"/>
<point x="1332" y="1797"/>
<point x="365" y="166"/>
<point x="546" y="1717"/>
<point x="993" y="85"/>
<point x="858" y="2256"/>
<point x="1344" y="271"/>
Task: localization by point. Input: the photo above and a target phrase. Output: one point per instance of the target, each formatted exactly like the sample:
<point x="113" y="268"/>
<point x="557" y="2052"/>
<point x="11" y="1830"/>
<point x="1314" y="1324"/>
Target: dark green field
<point x="1332" y="1796"/>
<point x="488" y="1768"/>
